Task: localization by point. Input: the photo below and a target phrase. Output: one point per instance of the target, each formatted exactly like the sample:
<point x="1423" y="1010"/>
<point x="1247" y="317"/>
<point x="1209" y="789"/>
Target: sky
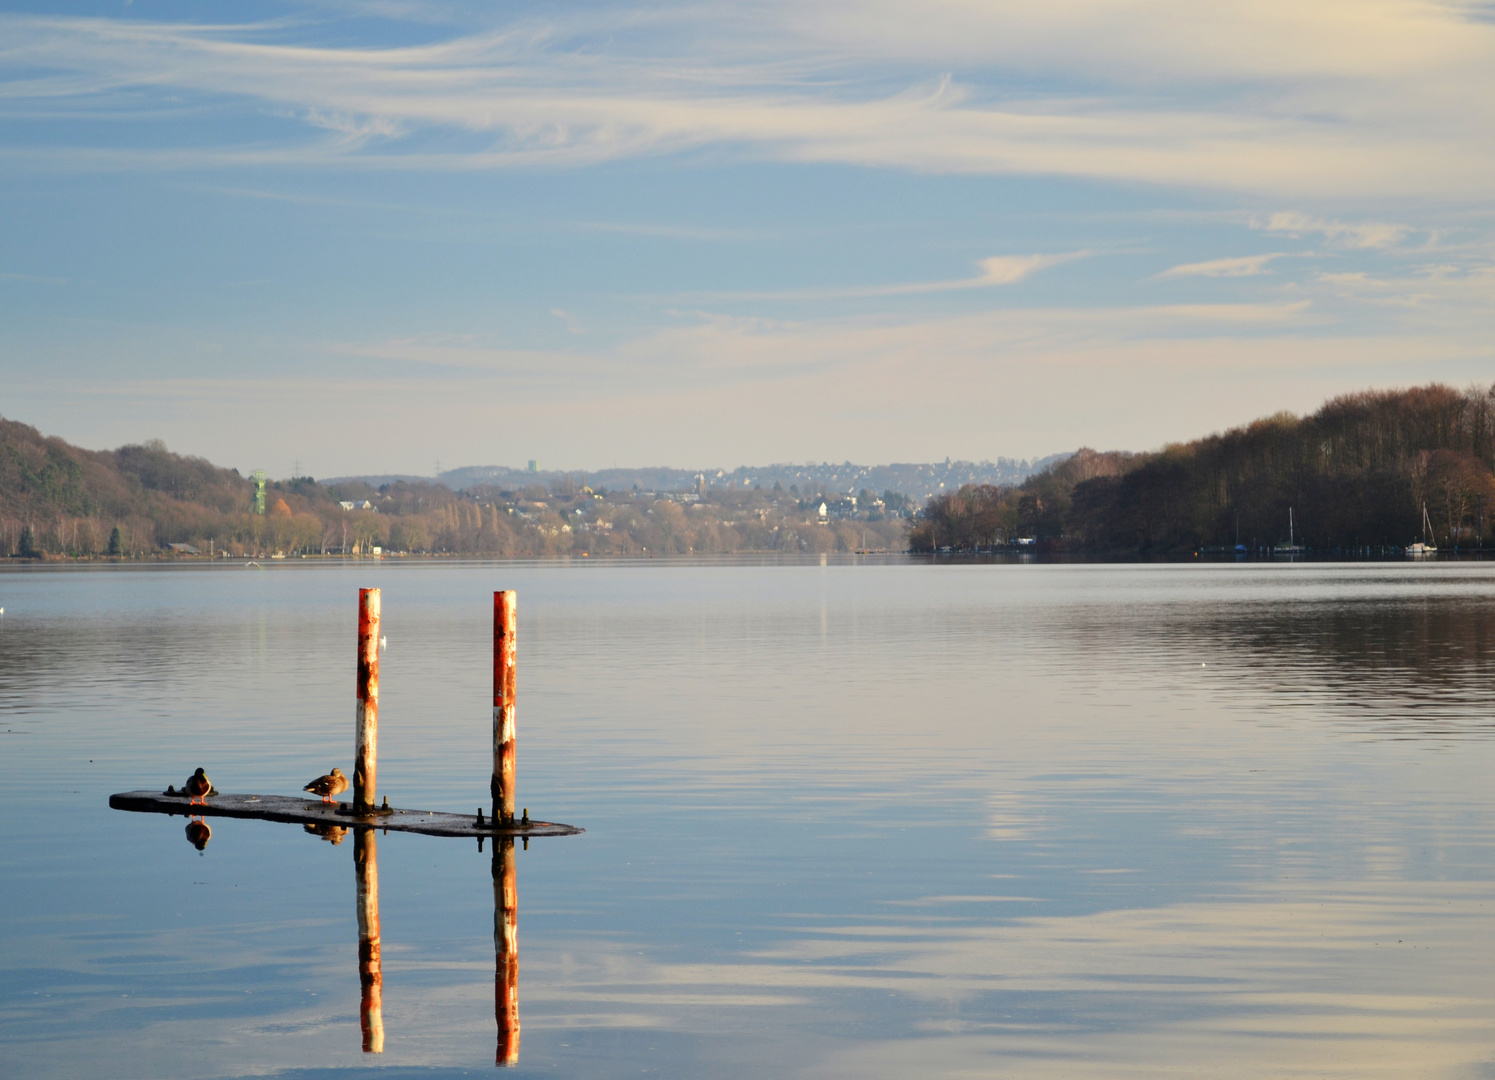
<point x="373" y="236"/>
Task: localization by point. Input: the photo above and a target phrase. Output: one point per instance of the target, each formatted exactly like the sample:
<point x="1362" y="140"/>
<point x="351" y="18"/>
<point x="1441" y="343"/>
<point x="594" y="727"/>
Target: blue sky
<point x="368" y="236"/>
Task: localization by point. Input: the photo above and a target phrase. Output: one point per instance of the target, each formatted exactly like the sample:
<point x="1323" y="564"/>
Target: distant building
<point x="184" y="549"/>
<point x="824" y="513"/>
<point x="358" y="504"/>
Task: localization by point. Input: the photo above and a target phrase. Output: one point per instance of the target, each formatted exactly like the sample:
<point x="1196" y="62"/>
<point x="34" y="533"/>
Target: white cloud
<point x="1445" y="295"/>
<point x="994" y="271"/>
<point x="1153" y="41"/>
<point x="1010" y="269"/>
<point x="1243" y="266"/>
<point x="1364" y="234"/>
<point x="573" y="324"/>
<point x="1329" y="100"/>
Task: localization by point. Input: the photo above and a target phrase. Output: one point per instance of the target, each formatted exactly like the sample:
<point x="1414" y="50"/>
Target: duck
<point x="199" y="833"/>
<point x="333" y="834"/>
<point x="334" y="783"/>
<point x="198" y="787"/>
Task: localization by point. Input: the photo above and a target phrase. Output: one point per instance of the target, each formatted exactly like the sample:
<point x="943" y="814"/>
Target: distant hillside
<point x="1356" y="473"/>
<point x="58" y="500"/>
<point x="80" y="495"/>
<point x="918" y="481"/>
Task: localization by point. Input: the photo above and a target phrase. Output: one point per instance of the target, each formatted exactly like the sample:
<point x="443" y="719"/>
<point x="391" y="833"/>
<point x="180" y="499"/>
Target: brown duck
<point x="334" y="783"/>
<point x="198" y="833"/>
<point x="198" y="786"/>
<point x="333" y="834"/>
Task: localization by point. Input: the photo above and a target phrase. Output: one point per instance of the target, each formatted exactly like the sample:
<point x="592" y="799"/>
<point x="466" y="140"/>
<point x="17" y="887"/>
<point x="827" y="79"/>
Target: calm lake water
<point x="884" y="820"/>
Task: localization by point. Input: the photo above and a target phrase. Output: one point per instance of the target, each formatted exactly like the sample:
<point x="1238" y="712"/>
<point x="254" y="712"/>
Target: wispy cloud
<point x="1443" y="295"/>
<point x="573" y="324"/>
<point x="995" y="271"/>
<point x="1361" y="234"/>
<point x="1010" y="269"/>
<point x="723" y="343"/>
<point x="1354" y="115"/>
<point x="1051" y="376"/>
<point x="1243" y="266"/>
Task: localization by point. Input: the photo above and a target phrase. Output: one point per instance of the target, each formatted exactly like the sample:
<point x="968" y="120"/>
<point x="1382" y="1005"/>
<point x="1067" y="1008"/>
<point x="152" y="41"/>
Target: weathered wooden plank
<point x="305" y="811"/>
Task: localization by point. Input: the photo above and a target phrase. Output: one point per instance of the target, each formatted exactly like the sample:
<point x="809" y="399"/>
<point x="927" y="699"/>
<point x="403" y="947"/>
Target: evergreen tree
<point x="28" y="544"/>
<point x="115" y="543"/>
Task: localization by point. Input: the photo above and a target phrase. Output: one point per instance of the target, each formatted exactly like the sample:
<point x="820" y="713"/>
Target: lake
<point x="867" y="818"/>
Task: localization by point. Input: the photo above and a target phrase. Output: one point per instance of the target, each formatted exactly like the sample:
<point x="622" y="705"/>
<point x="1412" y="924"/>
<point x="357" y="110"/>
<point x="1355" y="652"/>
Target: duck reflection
<point x="370" y="973"/>
<point x="199" y="833"/>
<point x="333" y="834"/>
<point x="506" y="952"/>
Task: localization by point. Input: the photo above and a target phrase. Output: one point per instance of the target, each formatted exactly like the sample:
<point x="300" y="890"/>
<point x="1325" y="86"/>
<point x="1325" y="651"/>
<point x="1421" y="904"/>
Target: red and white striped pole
<point x="366" y="732"/>
<point x="505" y="663"/>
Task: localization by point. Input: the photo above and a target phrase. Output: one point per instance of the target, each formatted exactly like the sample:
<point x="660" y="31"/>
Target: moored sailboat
<point x="1425" y="546"/>
<point x="1292" y="547"/>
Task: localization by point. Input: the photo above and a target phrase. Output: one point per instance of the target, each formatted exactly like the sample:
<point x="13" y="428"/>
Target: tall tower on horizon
<point x="258" y="477"/>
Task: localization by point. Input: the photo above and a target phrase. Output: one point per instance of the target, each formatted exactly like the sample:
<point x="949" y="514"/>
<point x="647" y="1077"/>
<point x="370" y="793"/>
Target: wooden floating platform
<point x="304" y="811"/>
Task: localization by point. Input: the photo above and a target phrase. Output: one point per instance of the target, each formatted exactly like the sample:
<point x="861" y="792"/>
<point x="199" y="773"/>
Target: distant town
<point x="915" y="481"/>
<point x="61" y="501"/>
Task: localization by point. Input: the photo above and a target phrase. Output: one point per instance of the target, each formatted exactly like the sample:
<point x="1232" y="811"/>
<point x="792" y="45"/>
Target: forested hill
<point x="58" y="500"/>
<point x="78" y="496"/>
<point x="1358" y="472"/>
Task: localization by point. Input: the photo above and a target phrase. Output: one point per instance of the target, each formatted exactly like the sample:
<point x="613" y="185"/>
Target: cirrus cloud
<point x="1242" y="266"/>
<point x="1118" y="95"/>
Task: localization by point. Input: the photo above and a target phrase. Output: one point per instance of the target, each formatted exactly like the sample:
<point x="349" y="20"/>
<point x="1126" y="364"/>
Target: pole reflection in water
<point x="370" y="976"/>
<point x="506" y="952"/>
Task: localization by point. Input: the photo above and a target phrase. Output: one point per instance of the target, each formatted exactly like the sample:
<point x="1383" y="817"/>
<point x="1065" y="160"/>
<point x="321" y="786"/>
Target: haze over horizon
<point x="365" y="237"/>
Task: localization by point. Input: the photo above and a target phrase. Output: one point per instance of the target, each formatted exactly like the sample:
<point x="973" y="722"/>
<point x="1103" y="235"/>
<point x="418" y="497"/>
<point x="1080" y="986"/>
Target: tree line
<point x="1358" y="473"/>
<point x="59" y="500"/>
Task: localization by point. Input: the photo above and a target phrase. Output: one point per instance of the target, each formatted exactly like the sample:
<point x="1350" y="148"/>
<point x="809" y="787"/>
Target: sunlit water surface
<point x="850" y="820"/>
